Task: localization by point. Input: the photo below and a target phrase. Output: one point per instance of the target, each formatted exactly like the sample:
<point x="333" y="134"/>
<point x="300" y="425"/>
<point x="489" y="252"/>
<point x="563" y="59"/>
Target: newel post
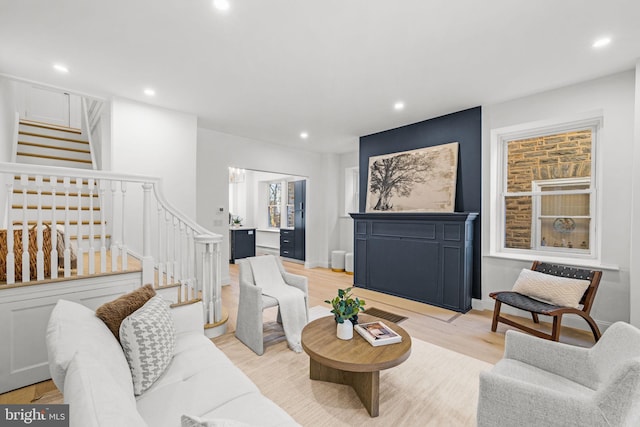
<point x="210" y="279"/>
<point x="147" y="257"/>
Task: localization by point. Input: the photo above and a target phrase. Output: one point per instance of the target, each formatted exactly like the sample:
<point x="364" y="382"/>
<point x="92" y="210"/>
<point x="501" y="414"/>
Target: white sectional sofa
<point x="87" y="363"/>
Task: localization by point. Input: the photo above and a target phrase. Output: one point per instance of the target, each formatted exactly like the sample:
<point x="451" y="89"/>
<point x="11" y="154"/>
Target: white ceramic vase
<point x="345" y="330"/>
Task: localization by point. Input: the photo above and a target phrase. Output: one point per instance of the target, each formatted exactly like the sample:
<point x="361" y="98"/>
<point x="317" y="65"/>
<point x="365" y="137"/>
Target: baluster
<point x="192" y="256"/>
<point x="167" y="257"/>
<point x="39" y="237"/>
<point x="148" y="271"/>
<point x="123" y="245"/>
<point x="80" y="270"/>
<point x="11" y="259"/>
<point x="92" y="251"/>
<point x="103" y="227"/>
<point x="183" y="264"/>
<point x="185" y="287"/>
<point x="206" y="273"/>
<point x="161" y="278"/>
<point x="53" y="182"/>
<point x="114" y="241"/>
<point x="176" y="244"/>
<point x="216" y="286"/>
<point x="66" y="183"/>
<point x="26" y="273"/>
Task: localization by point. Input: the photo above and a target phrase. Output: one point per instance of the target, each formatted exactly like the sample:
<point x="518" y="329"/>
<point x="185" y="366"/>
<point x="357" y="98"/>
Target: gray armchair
<point x="546" y="383"/>
<point x="251" y="303"/>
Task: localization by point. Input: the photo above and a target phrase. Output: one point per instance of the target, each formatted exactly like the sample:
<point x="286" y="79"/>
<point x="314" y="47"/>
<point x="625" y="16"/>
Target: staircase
<point x="52" y="145"/>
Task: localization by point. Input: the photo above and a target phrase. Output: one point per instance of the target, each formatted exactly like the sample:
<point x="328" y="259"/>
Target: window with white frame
<point x="274" y="205"/>
<point x="351" y="190"/>
<point x="546" y="193"/>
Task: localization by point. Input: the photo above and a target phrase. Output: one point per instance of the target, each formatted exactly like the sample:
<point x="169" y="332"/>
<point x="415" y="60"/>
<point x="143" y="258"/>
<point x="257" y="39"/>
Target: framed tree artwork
<point x="421" y="180"/>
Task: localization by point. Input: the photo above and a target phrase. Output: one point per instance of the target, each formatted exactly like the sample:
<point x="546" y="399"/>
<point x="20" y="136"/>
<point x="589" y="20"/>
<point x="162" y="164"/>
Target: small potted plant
<point x="237" y="221"/>
<point x="346" y="307"/>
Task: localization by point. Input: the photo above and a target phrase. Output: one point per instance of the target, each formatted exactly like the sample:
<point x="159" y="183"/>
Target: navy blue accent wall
<point x="464" y="127"/>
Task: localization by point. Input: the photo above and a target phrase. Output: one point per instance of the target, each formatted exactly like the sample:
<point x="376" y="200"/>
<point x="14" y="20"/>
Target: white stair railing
<point x="172" y="248"/>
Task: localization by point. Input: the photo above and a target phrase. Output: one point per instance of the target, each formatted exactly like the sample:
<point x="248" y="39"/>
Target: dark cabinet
<point x="287" y="243"/>
<point x="292" y="240"/>
<point x="242" y="243"/>
<point x="425" y="257"/>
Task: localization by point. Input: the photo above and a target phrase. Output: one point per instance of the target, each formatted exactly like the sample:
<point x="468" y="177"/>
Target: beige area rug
<point x="434" y="387"/>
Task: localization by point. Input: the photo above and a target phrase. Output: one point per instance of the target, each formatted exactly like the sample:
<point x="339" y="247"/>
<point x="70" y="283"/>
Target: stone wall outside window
<point x="565" y="155"/>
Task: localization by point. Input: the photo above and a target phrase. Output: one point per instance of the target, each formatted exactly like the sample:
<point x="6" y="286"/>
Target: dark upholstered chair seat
<point x="523" y="302"/>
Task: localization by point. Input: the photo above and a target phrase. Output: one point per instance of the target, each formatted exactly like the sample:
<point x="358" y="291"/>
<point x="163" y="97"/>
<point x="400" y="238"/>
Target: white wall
<point x="347" y="160"/>
<point x="614" y="96"/>
<point x="153" y="141"/>
<point x="218" y="151"/>
<point x="634" y="296"/>
<point x="7" y="131"/>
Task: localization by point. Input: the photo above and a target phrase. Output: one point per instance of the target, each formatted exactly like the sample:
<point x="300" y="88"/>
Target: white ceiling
<point x="269" y="69"/>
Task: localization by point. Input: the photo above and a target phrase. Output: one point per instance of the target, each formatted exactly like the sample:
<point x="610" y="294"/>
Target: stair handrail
<point x="210" y="242"/>
<point x="29" y="169"/>
<point x="86" y="128"/>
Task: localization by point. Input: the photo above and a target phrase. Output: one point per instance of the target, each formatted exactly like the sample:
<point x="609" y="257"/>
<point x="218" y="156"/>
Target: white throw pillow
<point x="562" y="291"/>
<point x="73" y="327"/>
<point x="191" y="421"/>
<point x="148" y="339"/>
<point x="95" y="397"/>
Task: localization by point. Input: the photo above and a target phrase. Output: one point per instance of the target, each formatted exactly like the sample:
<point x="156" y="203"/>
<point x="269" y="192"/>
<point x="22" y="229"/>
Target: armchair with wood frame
<point x="537" y="307"/>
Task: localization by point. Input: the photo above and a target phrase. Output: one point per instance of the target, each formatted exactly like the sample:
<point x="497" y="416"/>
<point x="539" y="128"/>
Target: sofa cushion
<point x="114" y="312"/>
<point x="148" y="340"/>
<point x="188" y="386"/>
<point x="264" y="412"/>
<point x="192" y="421"/>
<point x="73" y="327"/>
<point x="562" y="291"/>
<point x="95" y="398"/>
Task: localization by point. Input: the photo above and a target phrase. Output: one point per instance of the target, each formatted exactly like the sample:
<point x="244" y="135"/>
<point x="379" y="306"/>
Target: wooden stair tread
<point x="59" y="180"/>
<point x="224" y="319"/>
<point x="48" y="222"/>
<point x="59" y="138"/>
<point x="59" y="208"/>
<point x="50" y="193"/>
<point x="86" y="237"/>
<point x="168" y="286"/>
<point x="43" y="156"/>
<point x="54" y="147"/>
<point x="51" y="126"/>
<point x="180" y="304"/>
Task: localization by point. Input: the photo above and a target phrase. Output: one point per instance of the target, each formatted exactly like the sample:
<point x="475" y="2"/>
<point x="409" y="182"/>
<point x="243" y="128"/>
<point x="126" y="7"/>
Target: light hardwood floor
<point x="468" y="333"/>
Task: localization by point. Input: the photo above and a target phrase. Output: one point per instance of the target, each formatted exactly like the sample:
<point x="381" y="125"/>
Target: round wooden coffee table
<point x="354" y="362"/>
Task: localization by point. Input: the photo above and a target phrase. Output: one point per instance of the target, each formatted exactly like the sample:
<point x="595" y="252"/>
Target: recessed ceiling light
<point x="304" y="135"/>
<point x="60" y="68"/>
<point x="601" y="42"/>
<point x="149" y="92"/>
<point x="221" y="4"/>
<point x="398" y="106"/>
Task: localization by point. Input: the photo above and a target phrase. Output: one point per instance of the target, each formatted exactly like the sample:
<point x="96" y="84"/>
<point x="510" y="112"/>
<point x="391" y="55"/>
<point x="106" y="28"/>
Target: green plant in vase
<point x="345" y="307"/>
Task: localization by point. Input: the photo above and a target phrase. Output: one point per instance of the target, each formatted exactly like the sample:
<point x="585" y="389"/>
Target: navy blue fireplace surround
<point x="464" y="127"/>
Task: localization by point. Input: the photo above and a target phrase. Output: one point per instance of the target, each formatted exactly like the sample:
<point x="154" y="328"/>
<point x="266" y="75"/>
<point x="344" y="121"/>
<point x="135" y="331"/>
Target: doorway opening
<point x="274" y="205"/>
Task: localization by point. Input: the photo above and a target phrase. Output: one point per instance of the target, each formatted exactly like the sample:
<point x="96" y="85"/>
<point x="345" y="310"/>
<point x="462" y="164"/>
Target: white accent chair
<point x="546" y="383"/>
<point x="251" y="303"/>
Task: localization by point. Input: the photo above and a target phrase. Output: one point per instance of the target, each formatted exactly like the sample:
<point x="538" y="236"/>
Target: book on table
<point x="377" y="333"/>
